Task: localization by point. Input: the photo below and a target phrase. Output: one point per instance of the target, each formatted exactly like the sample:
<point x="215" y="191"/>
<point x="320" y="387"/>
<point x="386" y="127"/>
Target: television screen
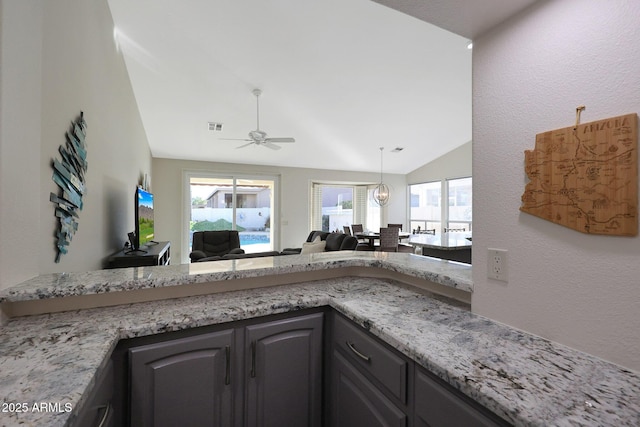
<point x="144" y="217"/>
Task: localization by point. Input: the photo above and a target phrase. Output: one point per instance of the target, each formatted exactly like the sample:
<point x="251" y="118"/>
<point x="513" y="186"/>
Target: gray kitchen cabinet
<point x="369" y="381"/>
<point x="248" y="373"/>
<point x="282" y="370"/>
<point x="98" y="410"/>
<point x="356" y="402"/>
<point x="183" y="382"/>
<point x="283" y="366"/>
<point x="437" y="404"/>
<point x="372" y="384"/>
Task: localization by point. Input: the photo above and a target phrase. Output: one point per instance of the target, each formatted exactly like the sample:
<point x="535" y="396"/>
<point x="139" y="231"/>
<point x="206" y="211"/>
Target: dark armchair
<point x="214" y="244"/>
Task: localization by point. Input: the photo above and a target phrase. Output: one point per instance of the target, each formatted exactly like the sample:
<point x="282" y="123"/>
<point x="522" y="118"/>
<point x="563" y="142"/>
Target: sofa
<point x="317" y="241"/>
<point x="323" y="241"/>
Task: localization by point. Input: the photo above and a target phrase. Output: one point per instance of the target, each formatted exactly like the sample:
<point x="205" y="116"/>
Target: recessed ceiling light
<point x="470" y="45"/>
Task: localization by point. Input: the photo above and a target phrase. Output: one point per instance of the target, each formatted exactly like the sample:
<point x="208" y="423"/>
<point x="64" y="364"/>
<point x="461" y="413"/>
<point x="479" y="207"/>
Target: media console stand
<point x="158" y="253"/>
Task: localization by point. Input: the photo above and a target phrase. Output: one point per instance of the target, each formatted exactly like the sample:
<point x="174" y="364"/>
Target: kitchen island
<point x="524" y="379"/>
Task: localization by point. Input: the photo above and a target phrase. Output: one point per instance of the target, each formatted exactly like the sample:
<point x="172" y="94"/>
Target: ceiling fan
<point x="259" y="137"/>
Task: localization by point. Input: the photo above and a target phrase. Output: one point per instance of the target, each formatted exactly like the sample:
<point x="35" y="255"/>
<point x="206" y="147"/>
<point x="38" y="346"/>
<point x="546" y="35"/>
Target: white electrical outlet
<point x="497" y="265"/>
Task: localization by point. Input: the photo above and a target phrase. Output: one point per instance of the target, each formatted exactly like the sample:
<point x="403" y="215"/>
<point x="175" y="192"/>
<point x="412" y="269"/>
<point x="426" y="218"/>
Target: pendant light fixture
<point x="381" y="193"/>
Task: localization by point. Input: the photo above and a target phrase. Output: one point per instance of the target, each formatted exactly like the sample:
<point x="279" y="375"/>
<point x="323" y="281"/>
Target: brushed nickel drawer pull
<point x="360" y="355"/>
<point x="107" y="412"/>
<point x="227" y="374"/>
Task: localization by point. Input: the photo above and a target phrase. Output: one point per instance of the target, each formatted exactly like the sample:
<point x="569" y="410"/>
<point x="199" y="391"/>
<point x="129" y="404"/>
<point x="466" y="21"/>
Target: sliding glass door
<point x="242" y="203"/>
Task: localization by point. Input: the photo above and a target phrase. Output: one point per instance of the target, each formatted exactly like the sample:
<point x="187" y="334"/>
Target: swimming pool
<point x="254" y="238"/>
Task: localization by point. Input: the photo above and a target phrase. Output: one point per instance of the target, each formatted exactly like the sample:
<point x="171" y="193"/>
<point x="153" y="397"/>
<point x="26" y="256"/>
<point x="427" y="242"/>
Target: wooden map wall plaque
<point x="586" y="177"/>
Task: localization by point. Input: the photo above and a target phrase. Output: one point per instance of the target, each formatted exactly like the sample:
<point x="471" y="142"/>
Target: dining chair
<point x="363" y="245"/>
<point x="347" y="230"/>
<point x="389" y="239"/>
<point x="398" y="226"/>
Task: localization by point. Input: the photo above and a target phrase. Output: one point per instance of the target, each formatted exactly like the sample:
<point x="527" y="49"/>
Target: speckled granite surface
<point x="526" y="380"/>
<point x="445" y="273"/>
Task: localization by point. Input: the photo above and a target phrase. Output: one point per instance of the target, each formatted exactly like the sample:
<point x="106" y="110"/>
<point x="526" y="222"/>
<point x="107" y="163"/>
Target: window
<point x="334" y="206"/>
<point x="428" y="211"/>
<point x="459" y="195"/>
<point x="426" y="206"/>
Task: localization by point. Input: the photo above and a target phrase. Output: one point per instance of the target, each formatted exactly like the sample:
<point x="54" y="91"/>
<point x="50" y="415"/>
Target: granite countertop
<point x="526" y="380"/>
<point x="56" y="285"/>
<point x="442" y="241"/>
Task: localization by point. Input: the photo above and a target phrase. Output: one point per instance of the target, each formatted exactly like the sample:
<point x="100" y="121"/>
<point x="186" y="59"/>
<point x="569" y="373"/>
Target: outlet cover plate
<point x="497" y="265"/>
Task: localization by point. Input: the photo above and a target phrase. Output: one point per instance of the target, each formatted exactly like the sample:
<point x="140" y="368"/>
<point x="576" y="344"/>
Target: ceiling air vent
<point x="397" y="149"/>
<point x="216" y="127"/>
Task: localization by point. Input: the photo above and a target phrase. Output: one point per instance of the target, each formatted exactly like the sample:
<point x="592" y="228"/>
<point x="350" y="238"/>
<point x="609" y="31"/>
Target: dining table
<point x="372" y="236"/>
<point x="453" y="246"/>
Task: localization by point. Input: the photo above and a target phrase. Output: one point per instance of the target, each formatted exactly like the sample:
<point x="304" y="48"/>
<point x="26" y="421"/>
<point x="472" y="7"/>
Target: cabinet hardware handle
<point x="107" y="412"/>
<point x="227" y="374"/>
<point x="360" y="355"/>
<point x="253" y="359"/>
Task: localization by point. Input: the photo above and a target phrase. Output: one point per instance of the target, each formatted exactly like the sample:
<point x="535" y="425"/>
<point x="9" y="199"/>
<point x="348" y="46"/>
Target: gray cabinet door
<point x="438" y="405"/>
<point x="182" y="382"/>
<point x="283" y="367"/>
<point x="356" y="402"/>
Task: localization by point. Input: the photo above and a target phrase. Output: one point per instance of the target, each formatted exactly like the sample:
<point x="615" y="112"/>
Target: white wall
<point x="457" y="163"/>
<point x="529" y="75"/>
<point x="59" y="58"/>
<point x="20" y="134"/>
<point x="294" y="196"/>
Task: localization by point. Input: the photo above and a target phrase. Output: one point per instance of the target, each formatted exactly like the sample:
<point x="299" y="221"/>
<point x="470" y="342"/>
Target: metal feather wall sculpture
<point x="69" y="175"/>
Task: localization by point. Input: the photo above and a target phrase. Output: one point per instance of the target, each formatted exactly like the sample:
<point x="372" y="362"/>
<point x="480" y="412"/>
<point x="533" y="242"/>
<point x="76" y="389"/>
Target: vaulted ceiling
<point x="343" y="77"/>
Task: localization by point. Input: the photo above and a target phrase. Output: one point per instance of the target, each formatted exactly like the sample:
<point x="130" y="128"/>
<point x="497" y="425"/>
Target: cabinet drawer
<point x="380" y="362"/>
<point x="437" y="404"/>
<point x="356" y="402"/>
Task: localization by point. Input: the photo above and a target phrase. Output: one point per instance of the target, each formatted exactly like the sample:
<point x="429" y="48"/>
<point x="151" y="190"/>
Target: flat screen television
<point x="144" y="218"/>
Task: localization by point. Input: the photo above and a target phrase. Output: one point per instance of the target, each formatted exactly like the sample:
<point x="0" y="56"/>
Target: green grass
<point x="218" y="225"/>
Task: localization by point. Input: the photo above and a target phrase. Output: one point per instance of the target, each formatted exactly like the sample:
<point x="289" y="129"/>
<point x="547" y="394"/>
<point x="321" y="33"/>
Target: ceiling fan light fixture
<point x="259" y="137"/>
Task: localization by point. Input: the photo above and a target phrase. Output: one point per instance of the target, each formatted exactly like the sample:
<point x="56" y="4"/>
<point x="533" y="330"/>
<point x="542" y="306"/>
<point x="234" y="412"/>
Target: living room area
<point x="294" y="194"/>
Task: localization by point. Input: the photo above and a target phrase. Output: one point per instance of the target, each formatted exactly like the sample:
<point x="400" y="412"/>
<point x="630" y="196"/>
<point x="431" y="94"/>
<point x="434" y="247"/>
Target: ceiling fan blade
<point x="257" y="136"/>
<point x="280" y="140"/>
<point x="270" y="145"/>
<point x="245" y="145"/>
